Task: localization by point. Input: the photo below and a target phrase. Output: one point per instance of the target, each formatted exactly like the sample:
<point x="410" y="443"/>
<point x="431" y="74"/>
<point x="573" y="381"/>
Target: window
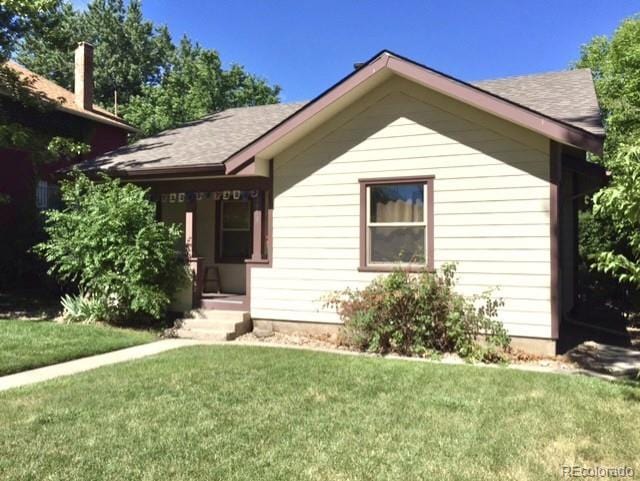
<point x="47" y="195"/>
<point x="235" y="231"/>
<point x="396" y="223"/>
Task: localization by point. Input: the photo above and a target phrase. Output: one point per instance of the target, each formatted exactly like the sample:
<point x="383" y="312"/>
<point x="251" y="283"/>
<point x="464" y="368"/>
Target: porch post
<point x="258" y="213"/>
<point x="190" y="238"/>
<point x="190" y="229"/>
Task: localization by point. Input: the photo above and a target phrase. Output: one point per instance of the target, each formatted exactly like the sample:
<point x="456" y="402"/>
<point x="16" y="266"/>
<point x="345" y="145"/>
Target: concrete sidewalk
<point x="87" y="363"/>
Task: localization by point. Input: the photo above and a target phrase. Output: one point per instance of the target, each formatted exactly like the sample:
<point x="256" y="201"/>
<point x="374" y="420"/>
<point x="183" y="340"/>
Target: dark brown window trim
<point x="364" y="183"/>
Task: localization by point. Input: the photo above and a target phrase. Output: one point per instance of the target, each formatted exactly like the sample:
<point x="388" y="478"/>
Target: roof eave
<point x="162" y="172"/>
<point x="97" y="118"/>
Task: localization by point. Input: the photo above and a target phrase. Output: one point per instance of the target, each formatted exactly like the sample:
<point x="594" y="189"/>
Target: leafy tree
<point x="130" y="52"/>
<point x="615" y="63"/>
<point x="106" y="241"/>
<point x="619" y="202"/>
<point x="159" y="85"/>
<point x="195" y="85"/>
<point x="610" y="237"/>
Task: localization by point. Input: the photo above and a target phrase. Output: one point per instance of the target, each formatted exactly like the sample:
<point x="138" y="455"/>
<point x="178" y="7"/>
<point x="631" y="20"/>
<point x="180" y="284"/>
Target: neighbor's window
<point x="396" y="224"/>
<point x="47" y="195"/>
<point x="235" y="231"/>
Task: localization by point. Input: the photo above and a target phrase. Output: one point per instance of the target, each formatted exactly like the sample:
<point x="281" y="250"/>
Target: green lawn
<point x="29" y="344"/>
<point x="251" y="413"/>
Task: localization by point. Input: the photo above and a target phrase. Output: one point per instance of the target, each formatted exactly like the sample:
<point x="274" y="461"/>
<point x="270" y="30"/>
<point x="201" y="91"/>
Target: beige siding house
<point x="396" y="164"/>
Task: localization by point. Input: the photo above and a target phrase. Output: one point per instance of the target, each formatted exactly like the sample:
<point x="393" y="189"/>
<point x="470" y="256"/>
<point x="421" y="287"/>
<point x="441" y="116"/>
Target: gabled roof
<point x="65" y="100"/>
<point x="560" y="105"/>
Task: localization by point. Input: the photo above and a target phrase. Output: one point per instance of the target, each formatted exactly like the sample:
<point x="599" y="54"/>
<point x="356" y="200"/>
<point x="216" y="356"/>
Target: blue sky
<point x="305" y="46"/>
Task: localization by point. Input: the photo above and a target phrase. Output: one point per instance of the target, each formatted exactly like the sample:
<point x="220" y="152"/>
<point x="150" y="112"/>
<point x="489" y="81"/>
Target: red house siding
<point x="105" y="138"/>
<point x="18" y="177"/>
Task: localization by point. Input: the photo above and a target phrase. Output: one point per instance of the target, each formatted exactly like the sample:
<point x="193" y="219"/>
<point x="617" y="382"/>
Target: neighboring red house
<point x="26" y="184"/>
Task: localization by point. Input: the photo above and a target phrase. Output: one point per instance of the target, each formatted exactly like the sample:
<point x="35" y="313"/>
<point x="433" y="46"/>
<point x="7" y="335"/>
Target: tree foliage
<point x="612" y="244"/>
<point x="619" y="204"/>
<point x="615" y="63"/>
<point x="130" y="52"/>
<point x="194" y="86"/>
<point x="107" y="242"/>
<point x="159" y="85"/>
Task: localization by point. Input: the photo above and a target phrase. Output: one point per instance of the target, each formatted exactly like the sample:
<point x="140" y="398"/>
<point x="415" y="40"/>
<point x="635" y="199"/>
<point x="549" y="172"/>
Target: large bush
<point x="416" y="314"/>
<point x="107" y="242"/>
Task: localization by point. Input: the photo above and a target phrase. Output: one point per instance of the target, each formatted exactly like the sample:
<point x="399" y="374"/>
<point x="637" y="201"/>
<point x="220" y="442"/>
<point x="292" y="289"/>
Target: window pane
<point x="236" y="244"/>
<point x="397" y="203"/>
<point x="397" y="244"/>
<point x="236" y="215"/>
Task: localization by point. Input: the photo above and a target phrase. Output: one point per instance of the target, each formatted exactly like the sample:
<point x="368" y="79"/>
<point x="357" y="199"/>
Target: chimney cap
<point x="85" y="44"/>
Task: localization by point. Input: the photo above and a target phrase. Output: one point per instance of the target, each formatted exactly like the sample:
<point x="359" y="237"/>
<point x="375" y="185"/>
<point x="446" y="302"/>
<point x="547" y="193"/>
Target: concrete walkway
<point x="87" y="363"/>
<point x="618" y="362"/>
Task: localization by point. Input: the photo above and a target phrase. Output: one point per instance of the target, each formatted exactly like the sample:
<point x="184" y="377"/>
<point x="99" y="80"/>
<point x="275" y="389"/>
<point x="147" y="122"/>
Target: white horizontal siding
<point x="491" y="212"/>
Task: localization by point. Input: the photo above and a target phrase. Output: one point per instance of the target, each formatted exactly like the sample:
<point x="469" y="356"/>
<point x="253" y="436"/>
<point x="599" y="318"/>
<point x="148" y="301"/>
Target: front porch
<point x="226" y="233"/>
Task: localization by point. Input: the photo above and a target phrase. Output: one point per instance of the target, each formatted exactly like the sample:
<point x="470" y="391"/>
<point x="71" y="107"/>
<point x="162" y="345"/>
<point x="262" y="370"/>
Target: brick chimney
<point x="83" y="85"/>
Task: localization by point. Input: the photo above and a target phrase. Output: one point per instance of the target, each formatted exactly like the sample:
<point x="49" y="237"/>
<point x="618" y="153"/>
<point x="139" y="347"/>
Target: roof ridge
<point x="302" y="102"/>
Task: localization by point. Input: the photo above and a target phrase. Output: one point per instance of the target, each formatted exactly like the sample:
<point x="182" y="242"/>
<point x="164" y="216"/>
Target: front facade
<point x="395" y="165"/>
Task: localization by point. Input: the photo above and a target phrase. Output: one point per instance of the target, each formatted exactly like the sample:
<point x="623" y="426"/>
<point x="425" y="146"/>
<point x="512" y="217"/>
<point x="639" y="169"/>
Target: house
<point x="27" y="186"/>
<point x="396" y="164"/>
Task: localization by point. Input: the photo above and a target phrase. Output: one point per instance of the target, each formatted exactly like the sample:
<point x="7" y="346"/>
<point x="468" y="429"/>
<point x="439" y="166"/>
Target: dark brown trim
<point x="584" y="167"/>
<point x="397" y="180"/>
<point x="555" y="174"/>
<point x="428" y="180"/>
<point x="363" y="226"/>
<point x="430" y="225"/>
<point x="269" y="199"/>
<point x="159" y="210"/>
<point x="216" y="184"/>
<point x="464" y="92"/>
<point x="150" y="173"/>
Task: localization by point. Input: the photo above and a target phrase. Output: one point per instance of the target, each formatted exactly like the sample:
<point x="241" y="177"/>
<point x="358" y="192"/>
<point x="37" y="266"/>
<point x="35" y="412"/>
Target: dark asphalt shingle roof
<point x="566" y="96"/>
<point x="209" y="140"/>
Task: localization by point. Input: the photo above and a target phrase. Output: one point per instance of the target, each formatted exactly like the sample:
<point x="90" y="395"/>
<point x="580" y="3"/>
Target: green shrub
<point x="416" y="314"/>
<point x="81" y="308"/>
<point x="107" y="242"/>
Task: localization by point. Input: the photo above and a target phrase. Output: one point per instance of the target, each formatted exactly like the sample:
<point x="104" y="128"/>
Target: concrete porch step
<point x="205" y="334"/>
<point x="213" y="325"/>
<point x="218" y="315"/>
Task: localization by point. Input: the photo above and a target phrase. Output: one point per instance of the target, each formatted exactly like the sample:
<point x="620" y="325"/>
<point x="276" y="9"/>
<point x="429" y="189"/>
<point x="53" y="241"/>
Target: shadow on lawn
<point x="29" y="304"/>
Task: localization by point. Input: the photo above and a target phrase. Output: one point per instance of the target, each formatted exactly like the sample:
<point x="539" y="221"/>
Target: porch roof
<point x="203" y="143"/>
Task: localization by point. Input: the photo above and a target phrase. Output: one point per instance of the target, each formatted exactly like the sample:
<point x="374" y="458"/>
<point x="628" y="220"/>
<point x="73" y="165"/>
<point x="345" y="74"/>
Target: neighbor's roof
<point x="567" y="99"/>
<point x="65" y="100"/>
